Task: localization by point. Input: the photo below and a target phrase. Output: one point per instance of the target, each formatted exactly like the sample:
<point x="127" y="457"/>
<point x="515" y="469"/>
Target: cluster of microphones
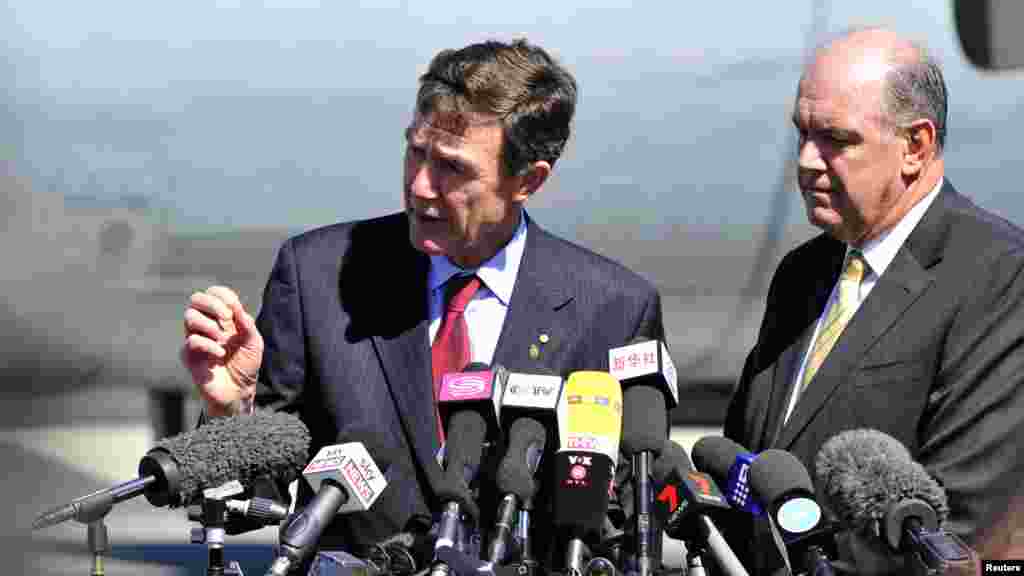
<point x="586" y="458"/>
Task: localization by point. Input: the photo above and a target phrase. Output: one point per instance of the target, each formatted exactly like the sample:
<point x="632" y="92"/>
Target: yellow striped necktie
<point x="838" y="316"/>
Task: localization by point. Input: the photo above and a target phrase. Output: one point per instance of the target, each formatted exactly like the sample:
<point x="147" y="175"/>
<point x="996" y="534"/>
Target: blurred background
<point x="148" y="150"/>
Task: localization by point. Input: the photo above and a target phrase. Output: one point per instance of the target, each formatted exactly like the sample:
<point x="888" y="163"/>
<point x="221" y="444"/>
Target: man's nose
<point x="421" y="184"/>
<point x="809" y="156"/>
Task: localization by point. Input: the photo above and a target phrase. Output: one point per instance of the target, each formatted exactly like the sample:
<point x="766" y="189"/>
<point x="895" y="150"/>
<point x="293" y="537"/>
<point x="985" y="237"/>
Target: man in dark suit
<point x="350" y="312"/>
<point x="905" y="315"/>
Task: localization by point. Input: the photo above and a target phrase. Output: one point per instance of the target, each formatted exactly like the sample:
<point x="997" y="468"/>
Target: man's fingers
<point x="199" y="323"/>
<point x="197" y="345"/>
<point x="242" y="320"/>
<point x="211" y="305"/>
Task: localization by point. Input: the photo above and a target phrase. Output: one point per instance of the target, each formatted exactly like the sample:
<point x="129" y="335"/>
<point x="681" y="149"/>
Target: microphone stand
<point x="93" y="511"/>
<point x="527" y="563"/>
<point x="98" y="544"/>
<point x="213" y="519"/>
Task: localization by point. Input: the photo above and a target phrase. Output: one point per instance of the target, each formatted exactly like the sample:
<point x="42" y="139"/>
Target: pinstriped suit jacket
<point x="344" y="318"/>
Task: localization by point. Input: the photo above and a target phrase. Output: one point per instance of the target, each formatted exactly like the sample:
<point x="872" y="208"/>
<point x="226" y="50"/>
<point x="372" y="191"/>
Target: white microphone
<point x="647" y="362"/>
<point x="345" y="479"/>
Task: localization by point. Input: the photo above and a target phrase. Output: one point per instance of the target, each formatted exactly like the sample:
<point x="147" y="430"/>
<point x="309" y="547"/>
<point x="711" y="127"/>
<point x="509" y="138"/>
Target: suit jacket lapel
<point x="402" y="344"/>
<point x="810" y="306"/>
<point x="540" y="290"/>
<point x="902" y="283"/>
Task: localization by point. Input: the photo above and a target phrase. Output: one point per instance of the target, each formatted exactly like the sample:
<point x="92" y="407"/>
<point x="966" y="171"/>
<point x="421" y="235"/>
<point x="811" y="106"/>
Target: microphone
<point x="782" y="483"/>
<point x="528" y="415"/>
<point x="527" y="440"/>
<point x="178" y="469"/>
<point x="688" y="502"/>
<point x="479" y="388"/>
<point x="729" y="464"/>
<point x="869" y="476"/>
<point x="345" y="479"/>
<point x="646" y="362"/>
<point x="646" y="391"/>
<point x="260" y="511"/>
<point x="469" y="404"/>
<point x="589" y="426"/>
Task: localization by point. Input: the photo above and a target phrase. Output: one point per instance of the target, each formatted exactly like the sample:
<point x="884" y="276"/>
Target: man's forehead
<point x="447" y="128"/>
<point x="831" y="94"/>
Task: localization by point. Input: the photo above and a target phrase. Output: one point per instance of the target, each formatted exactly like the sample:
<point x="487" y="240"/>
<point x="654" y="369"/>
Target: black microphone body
<point x="300" y="535"/>
<point x="466" y="433"/>
<point x="527" y="441"/>
<point x="696" y="500"/>
<point x="177" y="470"/>
<point x="782" y="483"/>
<point x="529" y="420"/>
<point x="644" y="431"/>
<point x="346" y="479"/>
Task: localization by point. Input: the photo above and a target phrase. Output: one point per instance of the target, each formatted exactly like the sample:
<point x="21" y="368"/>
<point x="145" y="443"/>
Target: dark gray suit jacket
<point x="345" y="321"/>
<point x="933" y="357"/>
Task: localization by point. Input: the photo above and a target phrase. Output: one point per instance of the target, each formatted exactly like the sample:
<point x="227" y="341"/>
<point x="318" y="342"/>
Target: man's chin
<point x="428" y="247"/>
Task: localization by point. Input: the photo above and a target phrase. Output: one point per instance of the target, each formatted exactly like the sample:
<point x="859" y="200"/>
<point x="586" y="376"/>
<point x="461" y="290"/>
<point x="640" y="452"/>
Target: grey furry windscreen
<point x="864" y="472"/>
<point x="239" y="448"/>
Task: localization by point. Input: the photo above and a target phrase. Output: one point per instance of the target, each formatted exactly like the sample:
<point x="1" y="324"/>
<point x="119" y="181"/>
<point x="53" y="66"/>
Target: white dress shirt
<point x="878" y="253"/>
<point x="485" y="313"/>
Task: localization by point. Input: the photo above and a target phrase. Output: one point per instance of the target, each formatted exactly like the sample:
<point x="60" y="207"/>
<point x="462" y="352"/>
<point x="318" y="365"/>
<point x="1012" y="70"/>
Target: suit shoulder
<point x="979" y="229"/>
<point x="809" y="252"/>
<point x="383" y="230"/>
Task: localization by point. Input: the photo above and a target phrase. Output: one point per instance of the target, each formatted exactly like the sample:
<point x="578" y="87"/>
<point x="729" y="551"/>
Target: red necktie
<point x="451" y="351"/>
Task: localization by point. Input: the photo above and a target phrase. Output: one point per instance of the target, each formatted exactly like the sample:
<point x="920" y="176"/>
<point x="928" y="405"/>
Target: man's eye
<point x="451" y="165"/>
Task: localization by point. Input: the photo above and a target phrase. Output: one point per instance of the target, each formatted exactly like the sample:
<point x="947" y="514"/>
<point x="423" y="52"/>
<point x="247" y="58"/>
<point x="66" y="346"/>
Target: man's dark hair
<point x="915" y="90"/>
<point x="532" y="96"/>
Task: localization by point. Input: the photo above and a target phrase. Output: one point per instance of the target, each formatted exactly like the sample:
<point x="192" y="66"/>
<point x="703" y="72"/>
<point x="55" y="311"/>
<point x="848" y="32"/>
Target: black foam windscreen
<point x="673" y="458"/>
<point x="777" y="474"/>
<point x="241" y="448"/>
<point x="527" y="439"/>
<point x="467" y="430"/>
<point x="644" y="420"/>
<point x="863" y="473"/>
<point x="465" y="444"/>
<point x="580" y="501"/>
<point x="715" y="455"/>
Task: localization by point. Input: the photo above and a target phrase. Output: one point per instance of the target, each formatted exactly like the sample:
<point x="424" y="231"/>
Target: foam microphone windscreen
<point x="863" y="473"/>
<point x="241" y="448"/>
<point x="527" y="439"/>
<point x="777" y="474"/>
<point x="673" y="458"/>
<point x="463" y="453"/>
<point x="715" y="455"/>
<point x="644" y="420"/>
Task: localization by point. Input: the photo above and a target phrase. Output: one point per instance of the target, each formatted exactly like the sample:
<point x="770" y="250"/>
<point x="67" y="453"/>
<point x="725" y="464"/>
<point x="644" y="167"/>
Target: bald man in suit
<point x="905" y="314"/>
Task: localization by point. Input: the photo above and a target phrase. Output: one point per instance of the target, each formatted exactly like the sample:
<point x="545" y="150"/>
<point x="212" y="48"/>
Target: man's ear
<point x="922" y="146"/>
<point x="531" y="181"/>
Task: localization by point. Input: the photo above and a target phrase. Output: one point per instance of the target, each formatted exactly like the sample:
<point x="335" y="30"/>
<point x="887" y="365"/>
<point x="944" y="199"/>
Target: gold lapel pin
<point x="534" y="352"/>
<point x="543" y="338"/>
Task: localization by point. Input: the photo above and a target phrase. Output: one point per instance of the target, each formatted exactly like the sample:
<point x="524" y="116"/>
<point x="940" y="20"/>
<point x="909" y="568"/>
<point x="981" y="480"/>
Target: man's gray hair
<point x="916" y="90"/>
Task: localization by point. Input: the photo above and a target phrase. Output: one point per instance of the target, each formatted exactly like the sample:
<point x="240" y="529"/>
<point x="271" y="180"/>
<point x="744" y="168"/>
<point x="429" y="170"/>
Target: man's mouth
<point x="428" y="217"/>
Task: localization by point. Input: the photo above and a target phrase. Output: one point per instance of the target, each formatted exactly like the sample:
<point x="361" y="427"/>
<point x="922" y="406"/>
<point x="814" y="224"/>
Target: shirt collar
<point x="497" y="273"/>
<point x="879" y="252"/>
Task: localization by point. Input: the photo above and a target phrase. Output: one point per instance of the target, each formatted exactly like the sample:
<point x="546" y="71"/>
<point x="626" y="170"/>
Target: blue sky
<point x="289" y="113"/>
